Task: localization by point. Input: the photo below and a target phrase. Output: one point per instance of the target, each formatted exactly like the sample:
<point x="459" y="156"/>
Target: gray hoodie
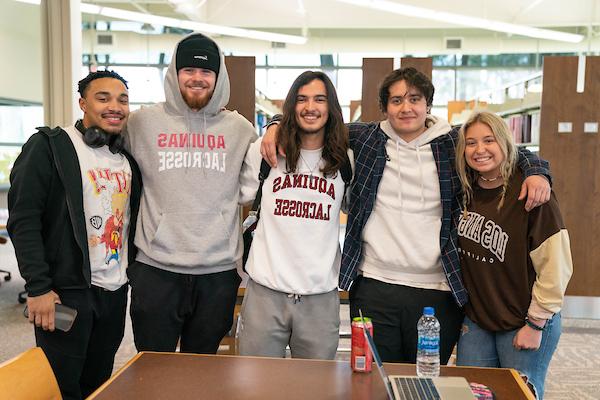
<point x="190" y="162"/>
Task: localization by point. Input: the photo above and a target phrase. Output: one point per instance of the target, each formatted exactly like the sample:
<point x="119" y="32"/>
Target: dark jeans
<point x="167" y="307"/>
<point x="82" y="359"/>
<point x="395" y="311"/>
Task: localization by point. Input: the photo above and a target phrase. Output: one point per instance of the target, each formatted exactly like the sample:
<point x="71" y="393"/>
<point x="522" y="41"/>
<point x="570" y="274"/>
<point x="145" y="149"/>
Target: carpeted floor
<point x="574" y="371"/>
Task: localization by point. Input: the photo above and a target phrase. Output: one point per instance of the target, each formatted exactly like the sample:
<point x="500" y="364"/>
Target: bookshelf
<point x="575" y="161"/>
<point x="523" y="117"/>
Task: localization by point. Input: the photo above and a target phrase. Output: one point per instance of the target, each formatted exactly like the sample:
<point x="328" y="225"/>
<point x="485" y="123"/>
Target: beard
<point x="196" y="103"/>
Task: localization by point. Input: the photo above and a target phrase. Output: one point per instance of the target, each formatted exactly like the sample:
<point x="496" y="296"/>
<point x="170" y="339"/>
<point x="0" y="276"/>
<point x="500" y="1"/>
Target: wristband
<point x="533" y="326"/>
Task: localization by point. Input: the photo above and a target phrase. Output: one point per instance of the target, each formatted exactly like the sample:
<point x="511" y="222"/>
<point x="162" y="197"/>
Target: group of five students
<point x="434" y="219"/>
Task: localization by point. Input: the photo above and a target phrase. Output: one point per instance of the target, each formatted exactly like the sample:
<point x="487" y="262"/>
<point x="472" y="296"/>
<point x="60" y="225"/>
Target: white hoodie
<point x="402" y="236"/>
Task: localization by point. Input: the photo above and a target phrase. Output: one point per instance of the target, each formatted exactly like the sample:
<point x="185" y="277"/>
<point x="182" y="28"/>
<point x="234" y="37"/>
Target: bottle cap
<point x="430" y="311"/>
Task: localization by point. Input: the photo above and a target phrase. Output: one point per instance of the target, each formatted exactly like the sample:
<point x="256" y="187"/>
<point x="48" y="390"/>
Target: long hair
<point x="336" y="133"/>
<point x="505" y="141"/>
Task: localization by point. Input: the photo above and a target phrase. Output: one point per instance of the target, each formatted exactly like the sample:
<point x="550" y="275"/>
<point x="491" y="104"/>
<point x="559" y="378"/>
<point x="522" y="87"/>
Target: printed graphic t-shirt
<point x="106" y="179"/>
<point x="494" y="249"/>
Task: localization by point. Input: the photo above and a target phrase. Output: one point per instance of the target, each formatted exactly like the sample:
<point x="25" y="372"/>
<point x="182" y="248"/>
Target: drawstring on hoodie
<point x="188" y="147"/>
<point x="421" y="176"/>
<point x="399" y="175"/>
<point x="400" y="180"/>
<point x="188" y="121"/>
<point x="205" y="133"/>
<point x="297" y="297"/>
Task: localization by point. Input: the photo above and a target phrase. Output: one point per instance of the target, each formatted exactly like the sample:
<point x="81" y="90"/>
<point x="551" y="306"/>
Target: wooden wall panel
<point x="421" y="64"/>
<point x="242" y="79"/>
<point x="374" y="70"/>
<point x="575" y="162"/>
<point x="354" y="104"/>
<point x="455" y="107"/>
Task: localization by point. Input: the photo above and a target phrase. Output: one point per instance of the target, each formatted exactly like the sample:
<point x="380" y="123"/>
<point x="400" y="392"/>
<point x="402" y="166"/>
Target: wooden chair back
<point x="28" y="376"/>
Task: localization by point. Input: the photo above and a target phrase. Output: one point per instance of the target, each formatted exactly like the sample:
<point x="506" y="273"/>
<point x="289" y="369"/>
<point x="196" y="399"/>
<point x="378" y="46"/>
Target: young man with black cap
<point x="73" y="204"/>
<point x="190" y="149"/>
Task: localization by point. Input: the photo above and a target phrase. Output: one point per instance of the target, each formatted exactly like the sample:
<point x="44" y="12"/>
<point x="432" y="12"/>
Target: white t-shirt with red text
<point x="296" y="242"/>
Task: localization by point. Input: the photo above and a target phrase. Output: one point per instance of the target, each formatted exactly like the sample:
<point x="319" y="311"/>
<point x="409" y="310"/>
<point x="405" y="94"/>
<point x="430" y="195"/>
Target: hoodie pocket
<point x="204" y="234"/>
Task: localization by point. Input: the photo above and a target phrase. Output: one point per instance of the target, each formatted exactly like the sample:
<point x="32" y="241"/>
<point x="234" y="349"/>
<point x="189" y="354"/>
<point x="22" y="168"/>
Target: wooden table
<point x="150" y="376"/>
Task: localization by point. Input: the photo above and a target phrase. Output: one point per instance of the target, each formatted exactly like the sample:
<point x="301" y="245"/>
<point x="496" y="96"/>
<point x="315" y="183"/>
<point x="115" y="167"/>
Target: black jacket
<point x="46" y="219"/>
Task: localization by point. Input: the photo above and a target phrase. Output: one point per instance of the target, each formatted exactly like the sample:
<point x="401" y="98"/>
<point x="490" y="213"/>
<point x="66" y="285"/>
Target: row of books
<point x="525" y="127"/>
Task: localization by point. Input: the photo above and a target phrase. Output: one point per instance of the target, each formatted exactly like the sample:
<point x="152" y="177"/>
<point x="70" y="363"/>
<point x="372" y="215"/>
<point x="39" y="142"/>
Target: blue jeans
<point x="481" y="348"/>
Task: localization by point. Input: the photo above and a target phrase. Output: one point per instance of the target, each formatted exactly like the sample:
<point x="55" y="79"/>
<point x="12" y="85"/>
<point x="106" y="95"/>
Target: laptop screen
<point x="376" y="357"/>
<point x="415" y="388"/>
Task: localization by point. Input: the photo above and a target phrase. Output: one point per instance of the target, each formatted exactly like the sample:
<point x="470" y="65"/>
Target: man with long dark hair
<point x="400" y="252"/>
<point x="294" y="261"/>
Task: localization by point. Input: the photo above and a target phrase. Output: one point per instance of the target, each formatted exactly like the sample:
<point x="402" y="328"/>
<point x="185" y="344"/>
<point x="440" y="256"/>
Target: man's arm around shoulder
<point x="536" y="185"/>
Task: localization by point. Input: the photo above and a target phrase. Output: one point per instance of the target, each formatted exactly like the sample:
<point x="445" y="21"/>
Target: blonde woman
<point x="515" y="264"/>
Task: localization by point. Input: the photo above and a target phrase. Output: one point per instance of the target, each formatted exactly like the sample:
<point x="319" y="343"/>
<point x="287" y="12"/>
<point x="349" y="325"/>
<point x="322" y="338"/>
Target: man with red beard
<point x="190" y="151"/>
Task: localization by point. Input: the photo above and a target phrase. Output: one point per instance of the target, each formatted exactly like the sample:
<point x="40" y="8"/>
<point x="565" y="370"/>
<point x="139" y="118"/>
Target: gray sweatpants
<point x="270" y="320"/>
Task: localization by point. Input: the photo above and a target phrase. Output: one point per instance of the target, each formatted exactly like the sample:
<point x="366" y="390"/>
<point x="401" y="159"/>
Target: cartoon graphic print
<point x="113" y="187"/>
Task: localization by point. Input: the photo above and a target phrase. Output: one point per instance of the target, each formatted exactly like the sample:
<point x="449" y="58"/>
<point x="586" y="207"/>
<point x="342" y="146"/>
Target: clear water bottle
<point x="428" y="345"/>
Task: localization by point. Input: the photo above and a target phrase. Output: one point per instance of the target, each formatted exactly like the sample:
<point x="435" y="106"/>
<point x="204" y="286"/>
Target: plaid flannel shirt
<point x="368" y="142"/>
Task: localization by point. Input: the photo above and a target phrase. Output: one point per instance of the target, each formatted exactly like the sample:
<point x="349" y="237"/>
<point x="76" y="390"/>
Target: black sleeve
<point x="30" y="180"/>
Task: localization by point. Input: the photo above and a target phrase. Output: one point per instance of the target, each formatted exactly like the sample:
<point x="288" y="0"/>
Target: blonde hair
<point x="505" y="141"/>
<point x="119" y="199"/>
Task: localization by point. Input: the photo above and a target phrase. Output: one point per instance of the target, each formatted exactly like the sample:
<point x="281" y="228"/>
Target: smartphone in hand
<point x="64" y="316"/>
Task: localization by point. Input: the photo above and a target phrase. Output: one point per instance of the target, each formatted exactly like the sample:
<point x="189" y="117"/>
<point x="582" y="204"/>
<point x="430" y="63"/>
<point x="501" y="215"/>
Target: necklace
<point x="310" y="170"/>
<point x="489" y="179"/>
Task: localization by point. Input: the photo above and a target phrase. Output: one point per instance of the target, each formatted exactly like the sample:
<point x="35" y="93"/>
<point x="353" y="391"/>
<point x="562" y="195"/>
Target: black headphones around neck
<point x="96" y="137"/>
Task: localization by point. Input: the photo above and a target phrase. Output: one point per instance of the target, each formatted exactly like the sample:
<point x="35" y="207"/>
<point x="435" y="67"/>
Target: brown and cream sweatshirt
<point x="514" y="262"/>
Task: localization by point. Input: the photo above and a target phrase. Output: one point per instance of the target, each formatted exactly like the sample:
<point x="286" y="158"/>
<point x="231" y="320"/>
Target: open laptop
<point x="414" y="388"/>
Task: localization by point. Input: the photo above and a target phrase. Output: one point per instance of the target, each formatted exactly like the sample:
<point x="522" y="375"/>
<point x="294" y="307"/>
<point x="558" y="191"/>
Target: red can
<point x="360" y="356"/>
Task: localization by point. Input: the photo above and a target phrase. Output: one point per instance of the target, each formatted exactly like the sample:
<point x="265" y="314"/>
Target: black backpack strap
<point x="265" y="168"/>
<point x="49" y="132"/>
<point x="346" y="171"/>
<point x="44" y="129"/>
